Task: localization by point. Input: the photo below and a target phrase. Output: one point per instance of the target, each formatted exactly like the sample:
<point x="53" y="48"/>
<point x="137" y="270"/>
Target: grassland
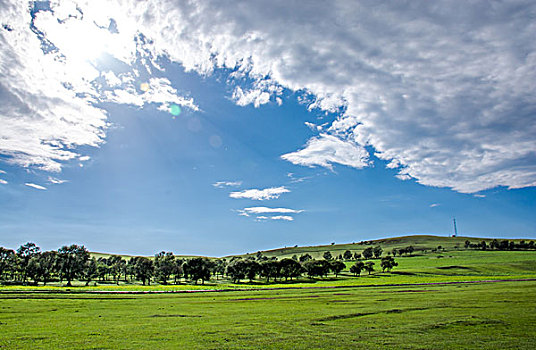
<point x="483" y="315"/>
<point x="398" y="310"/>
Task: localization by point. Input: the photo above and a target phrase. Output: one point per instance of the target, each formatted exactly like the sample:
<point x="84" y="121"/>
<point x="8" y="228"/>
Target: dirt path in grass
<point x="71" y="291"/>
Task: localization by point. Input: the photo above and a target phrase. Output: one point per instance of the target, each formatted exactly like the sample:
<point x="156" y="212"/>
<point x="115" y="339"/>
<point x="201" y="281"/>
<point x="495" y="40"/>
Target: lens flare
<point x="175" y="110"/>
<point x="144" y="87"/>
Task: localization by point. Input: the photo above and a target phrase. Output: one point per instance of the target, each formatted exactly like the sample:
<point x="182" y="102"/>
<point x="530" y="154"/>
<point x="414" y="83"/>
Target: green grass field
<point x="396" y="310"/>
<point x="483" y="315"/>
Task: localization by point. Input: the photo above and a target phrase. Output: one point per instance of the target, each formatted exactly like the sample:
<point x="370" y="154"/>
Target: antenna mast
<point x="455" y="229"/>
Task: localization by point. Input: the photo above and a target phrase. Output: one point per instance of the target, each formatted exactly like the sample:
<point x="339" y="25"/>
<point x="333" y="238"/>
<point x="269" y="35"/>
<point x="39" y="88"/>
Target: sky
<point x="215" y="128"/>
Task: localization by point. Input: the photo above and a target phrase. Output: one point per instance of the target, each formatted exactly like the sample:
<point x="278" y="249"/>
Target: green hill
<point x="420" y="243"/>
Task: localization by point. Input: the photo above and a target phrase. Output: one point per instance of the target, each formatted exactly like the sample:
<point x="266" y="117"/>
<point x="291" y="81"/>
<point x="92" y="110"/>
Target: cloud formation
<point x="444" y="94"/>
<point x="50" y="83"/>
<point x="222" y="184"/>
<point x="38" y="187"/>
<point x="266" y="210"/>
<point x="265" y="213"/>
<point x="450" y="98"/>
<point x="325" y="150"/>
<point x="260" y="195"/>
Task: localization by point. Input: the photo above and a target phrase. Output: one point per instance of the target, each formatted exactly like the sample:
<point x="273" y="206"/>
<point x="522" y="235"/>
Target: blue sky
<point x="287" y="133"/>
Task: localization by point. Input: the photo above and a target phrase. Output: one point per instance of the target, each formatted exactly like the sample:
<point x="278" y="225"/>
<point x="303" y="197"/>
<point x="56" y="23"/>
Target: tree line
<point x="28" y="264"/>
<point x="501" y="245"/>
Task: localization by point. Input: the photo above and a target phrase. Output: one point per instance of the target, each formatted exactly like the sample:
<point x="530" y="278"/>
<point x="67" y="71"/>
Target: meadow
<point x="426" y="302"/>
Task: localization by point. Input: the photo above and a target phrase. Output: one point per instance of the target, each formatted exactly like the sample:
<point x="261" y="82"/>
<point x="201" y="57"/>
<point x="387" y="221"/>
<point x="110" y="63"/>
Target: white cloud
<point x="266" y="210"/>
<point x="222" y="184"/>
<point x="50" y="83"/>
<point x="434" y="205"/>
<point x="54" y="180"/>
<point x="253" y="96"/>
<point x="260" y="195"/>
<point x="282" y="217"/>
<point x="325" y="150"/>
<point x="2" y="172"/>
<point x="277" y="217"/>
<point x="450" y="99"/>
<point x="3" y="182"/>
<point x="314" y="127"/>
<point x="479" y="195"/>
<point x="38" y="187"/>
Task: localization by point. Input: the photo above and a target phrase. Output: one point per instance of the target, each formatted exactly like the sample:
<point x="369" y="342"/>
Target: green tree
<point x="305" y="257"/>
<point x="144" y="269"/>
<point x="337" y="267"/>
<point x="164" y="265"/>
<point x="327" y="255"/>
<point x="347" y="255"/>
<point x="369" y="266"/>
<point x="317" y="268"/>
<point x="117" y="266"/>
<point x="252" y="269"/>
<point x="71" y="261"/>
<point x="178" y="270"/>
<point x="6" y="261"/>
<point x="236" y="270"/>
<point x="42" y="266"/>
<point x="368" y="253"/>
<point x="270" y="269"/>
<point x="388" y="263"/>
<point x="357" y="268"/>
<point x="90" y="271"/>
<point x="290" y="268"/>
<point x="377" y="251"/>
<point x="25" y="253"/>
<point x="357" y="256"/>
<point x="197" y="269"/>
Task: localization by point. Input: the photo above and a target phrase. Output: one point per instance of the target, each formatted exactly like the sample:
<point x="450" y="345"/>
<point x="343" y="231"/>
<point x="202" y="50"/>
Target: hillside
<point x="419" y="242"/>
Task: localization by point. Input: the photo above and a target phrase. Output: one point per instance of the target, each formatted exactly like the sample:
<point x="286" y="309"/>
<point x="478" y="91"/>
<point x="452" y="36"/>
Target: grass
<point x="382" y="311"/>
<point x="492" y="316"/>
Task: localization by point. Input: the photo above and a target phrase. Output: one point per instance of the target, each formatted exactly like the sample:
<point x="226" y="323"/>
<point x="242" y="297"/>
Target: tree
<point x="117" y="265"/>
<point x="317" y="268"/>
<point x="197" y="269"/>
<point x="367" y="253"/>
<point x="71" y="261"/>
<point x="46" y="264"/>
<point x="347" y="255"/>
<point x="178" y="270"/>
<point x="270" y="269"/>
<point x="327" y="256"/>
<point x="369" y="266"/>
<point x="305" y="257"/>
<point x="252" y="269"/>
<point x="103" y="269"/>
<point x="144" y="269"/>
<point x="337" y="267"/>
<point x="388" y="263"/>
<point x="236" y="270"/>
<point x="357" y="256"/>
<point x="357" y="268"/>
<point x="6" y="260"/>
<point x="25" y="253"/>
<point x="219" y="268"/>
<point x="377" y="251"/>
<point x="164" y="265"/>
<point x="90" y="270"/>
<point x="290" y="268"/>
